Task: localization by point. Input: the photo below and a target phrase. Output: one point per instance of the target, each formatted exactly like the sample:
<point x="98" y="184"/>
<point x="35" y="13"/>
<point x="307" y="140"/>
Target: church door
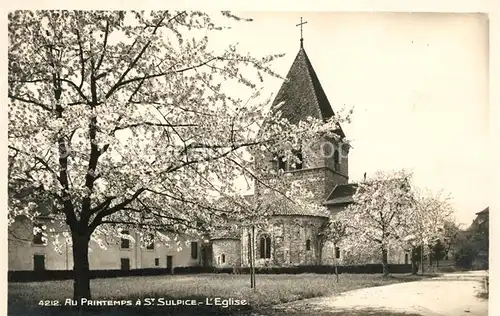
<point x="170" y="260"/>
<point x="39" y="262"/>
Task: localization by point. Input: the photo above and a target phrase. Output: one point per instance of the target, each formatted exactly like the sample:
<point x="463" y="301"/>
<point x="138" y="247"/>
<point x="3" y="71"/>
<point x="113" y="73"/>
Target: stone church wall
<point x="289" y="241"/>
<point x="226" y="253"/>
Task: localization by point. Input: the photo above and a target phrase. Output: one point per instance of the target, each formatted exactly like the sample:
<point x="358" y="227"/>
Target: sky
<point x="417" y="82"/>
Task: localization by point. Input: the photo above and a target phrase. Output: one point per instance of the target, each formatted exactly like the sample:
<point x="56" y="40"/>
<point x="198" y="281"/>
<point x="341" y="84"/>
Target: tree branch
<point x="43" y="106"/>
<point x="82" y="61"/>
<point x="106" y="212"/>
<point x="106" y="33"/>
<point x="134" y="62"/>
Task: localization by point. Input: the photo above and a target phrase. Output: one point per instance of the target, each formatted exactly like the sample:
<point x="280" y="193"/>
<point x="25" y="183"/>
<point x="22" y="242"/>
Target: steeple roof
<point x="302" y="93"/>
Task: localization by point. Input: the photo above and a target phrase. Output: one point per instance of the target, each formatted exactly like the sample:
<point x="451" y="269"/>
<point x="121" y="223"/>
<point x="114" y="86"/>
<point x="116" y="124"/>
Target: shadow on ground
<point x="127" y="311"/>
<point x="340" y="312"/>
<point x="131" y="311"/>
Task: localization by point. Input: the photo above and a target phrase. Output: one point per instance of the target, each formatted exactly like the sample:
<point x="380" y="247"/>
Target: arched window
<point x="223" y="258"/>
<point x="336" y="160"/>
<point x="265" y="247"/>
<point x="308" y="244"/>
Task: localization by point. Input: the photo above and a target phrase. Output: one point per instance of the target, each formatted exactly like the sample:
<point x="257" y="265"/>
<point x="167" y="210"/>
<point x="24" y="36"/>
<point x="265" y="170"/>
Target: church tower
<point x="325" y="162"/>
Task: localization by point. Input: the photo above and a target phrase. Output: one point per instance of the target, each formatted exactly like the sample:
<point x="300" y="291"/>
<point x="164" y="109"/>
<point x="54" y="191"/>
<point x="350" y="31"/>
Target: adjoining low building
<point x="31" y="248"/>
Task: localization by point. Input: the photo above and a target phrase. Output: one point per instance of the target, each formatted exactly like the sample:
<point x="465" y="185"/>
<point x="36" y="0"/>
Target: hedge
<point x="48" y="275"/>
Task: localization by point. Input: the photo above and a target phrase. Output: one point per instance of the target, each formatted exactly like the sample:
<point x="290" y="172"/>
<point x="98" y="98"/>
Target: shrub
<point x="47" y="275"/>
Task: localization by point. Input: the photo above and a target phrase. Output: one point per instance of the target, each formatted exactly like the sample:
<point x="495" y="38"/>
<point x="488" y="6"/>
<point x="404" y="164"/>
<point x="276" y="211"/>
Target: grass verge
<point x="23" y="298"/>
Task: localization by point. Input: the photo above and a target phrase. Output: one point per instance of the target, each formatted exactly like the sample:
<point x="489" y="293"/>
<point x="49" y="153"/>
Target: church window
<point x="336" y="160"/>
<point x="265" y="247"/>
<point x="308" y="244"/>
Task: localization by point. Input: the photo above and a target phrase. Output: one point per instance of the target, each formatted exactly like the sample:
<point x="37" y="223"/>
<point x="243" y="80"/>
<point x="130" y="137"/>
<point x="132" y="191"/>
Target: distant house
<point x="480" y="235"/>
<point x="483" y="216"/>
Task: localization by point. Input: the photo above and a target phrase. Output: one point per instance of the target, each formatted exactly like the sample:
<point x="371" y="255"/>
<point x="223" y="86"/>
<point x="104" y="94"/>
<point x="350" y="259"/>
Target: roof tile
<point x="302" y="94"/>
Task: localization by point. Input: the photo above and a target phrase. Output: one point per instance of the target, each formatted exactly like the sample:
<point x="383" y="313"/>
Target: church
<point x="291" y="237"/>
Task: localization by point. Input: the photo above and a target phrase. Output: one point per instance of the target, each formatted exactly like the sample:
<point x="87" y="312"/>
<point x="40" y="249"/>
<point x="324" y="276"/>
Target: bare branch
<point x="134" y="62"/>
<point x="106" y="33"/>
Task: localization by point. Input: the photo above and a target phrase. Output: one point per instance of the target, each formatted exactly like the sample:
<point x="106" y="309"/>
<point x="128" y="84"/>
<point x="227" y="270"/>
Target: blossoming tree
<point x="425" y="223"/>
<point x="122" y="118"/>
<point x="335" y="231"/>
<point x="379" y="209"/>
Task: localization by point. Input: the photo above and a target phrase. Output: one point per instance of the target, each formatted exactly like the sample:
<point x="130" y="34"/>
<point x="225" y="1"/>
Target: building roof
<point x="302" y="94"/>
<point x="484" y="212"/>
<point x="341" y="194"/>
<point x="287" y="209"/>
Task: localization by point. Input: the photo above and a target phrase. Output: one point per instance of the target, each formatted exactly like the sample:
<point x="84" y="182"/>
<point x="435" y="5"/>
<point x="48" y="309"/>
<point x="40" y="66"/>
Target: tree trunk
<point x="81" y="270"/>
<point x="413" y="261"/>
<point x="253" y="258"/>
<point x="336" y="271"/>
<point x="336" y="262"/>
<point x="385" y="266"/>
<point x="422" y="257"/>
<point x="251" y="264"/>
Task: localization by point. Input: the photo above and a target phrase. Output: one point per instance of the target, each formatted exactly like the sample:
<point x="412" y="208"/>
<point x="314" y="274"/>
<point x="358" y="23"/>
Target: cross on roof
<point x="301" y="23"/>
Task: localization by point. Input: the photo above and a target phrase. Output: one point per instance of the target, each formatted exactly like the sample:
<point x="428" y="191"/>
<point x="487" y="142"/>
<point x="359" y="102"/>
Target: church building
<point x="292" y="236"/>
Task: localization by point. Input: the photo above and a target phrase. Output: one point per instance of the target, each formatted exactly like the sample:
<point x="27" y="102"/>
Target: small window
<point x="151" y="245"/>
<point x="337" y="252"/>
<point x="194" y="250"/>
<point x="125" y="243"/>
<point x="38" y="234"/>
<point x="308" y="244"/>
<point x="298" y="156"/>
<point x="274" y="164"/>
<point x="265" y="247"/>
<point x="223" y="258"/>
<point x="282" y="165"/>
<point x="336" y="160"/>
<point x="157" y="262"/>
